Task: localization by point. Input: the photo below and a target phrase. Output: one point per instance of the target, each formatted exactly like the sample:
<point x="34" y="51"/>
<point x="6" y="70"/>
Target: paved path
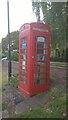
<point x="32" y="102"/>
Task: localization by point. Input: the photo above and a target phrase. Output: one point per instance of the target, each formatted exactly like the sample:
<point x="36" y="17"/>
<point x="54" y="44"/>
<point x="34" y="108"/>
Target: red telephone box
<point x="34" y="58"/>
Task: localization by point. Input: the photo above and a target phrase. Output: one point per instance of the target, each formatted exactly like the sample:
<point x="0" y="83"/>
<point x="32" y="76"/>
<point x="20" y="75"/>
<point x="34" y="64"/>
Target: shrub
<point x="13" y="56"/>
<point x="3" y="55"/>
<point x="60" y="59"/>
<point x="14" y="80"/>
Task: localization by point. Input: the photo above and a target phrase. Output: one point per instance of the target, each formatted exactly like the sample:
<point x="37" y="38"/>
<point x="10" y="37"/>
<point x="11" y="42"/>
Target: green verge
<point x="3" y="79"/>
<point x="54" y="109"/>
<point x="59" y="65"/>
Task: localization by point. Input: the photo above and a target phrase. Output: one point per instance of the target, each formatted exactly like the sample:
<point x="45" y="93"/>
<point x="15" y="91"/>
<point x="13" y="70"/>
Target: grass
<point x="3" y="82"/>
<point x="54" y="92"/>
<point x="3" y="79"/>
<point x="63" y="65"/>
<point x="0" y="104"/>
<point x="54" y="109"/>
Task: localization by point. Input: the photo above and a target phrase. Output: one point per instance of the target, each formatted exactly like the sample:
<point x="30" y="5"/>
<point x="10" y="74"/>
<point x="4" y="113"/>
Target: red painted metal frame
<point x="29" y="88"/>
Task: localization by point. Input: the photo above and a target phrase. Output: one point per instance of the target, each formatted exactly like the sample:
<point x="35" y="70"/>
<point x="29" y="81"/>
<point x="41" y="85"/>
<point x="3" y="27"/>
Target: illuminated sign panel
<point x="39" y="29"/>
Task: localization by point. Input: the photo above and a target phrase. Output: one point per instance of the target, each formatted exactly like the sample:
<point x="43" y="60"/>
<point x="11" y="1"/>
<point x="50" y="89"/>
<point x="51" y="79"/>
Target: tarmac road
<point x="14" y="67"/>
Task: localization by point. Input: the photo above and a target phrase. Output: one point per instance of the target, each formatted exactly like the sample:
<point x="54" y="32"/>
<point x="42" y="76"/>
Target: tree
<point x="36" y="9"/>
<point x="54" y="14"/>
<point x="14" y="38"/>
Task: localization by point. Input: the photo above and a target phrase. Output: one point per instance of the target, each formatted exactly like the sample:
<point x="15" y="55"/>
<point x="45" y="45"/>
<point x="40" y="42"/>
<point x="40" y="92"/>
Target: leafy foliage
<point x="14" y="56"/>
<point x="55" y="14"/>
<point x="14" y="80"/>
<point x="14" y="39"/>
<point x="13" y="42"/>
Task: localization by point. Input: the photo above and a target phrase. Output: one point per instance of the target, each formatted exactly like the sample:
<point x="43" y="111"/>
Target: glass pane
<point x="39" y="63"/>
<point x="23" y="62"/>
<point x="39" y="78"/>
<point x="40" y="45"/>
<point x="36" y="75"/>
<point x="42" y="75"/>
<point x="24" y="57"/>
<point x="23" y="67"/>
<point x="24" y="45"/>
<point x="23" y="40"/>
<point x="42" y="81"/>
<point x="40" y="51"/>
<point x="37" y="81"/>
<point x="40" y="57"/>
<point x="23" y="73"/>
<point x="45" y="46"/>
<point x="37" y="69"/>
<point x="23" y="50"/>
<point x="42" y="69"/>
<point x="39" y="75"/>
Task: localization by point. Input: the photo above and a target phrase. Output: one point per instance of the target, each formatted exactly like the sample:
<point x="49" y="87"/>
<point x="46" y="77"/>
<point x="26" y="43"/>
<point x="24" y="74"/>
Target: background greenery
<point x="55" y="14"/>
